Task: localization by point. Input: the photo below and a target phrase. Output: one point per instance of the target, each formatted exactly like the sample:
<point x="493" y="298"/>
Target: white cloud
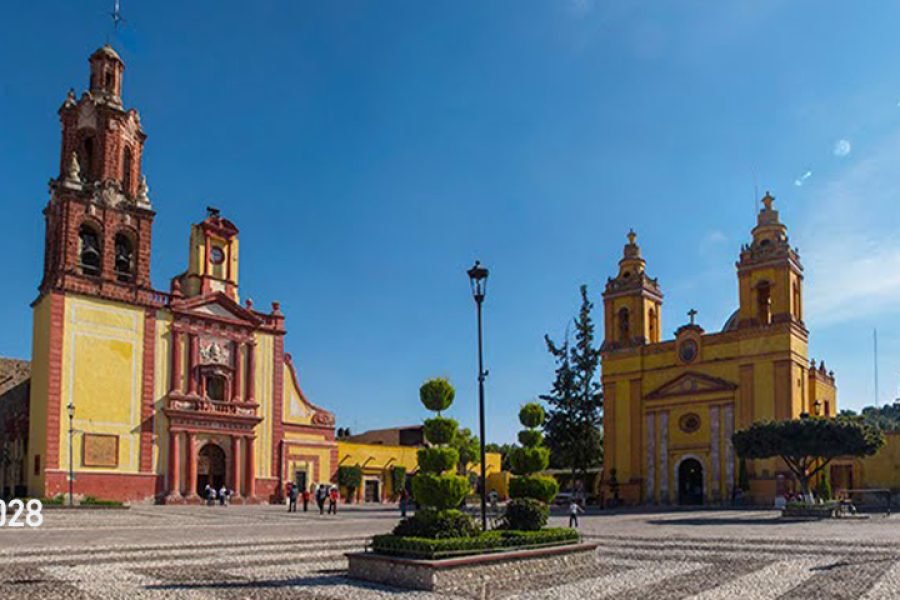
<point x="842" y="148"/>
<point x="802" y="179"/>
<point x="849" y="240"/>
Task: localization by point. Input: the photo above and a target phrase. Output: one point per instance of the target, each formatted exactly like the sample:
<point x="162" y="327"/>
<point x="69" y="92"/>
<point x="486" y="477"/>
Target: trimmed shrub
<point x="437" y="460"/>
<point x="532" y="415"/>
<point x="439" y="491"/>
<point x="437" y="394"/>
<point x="491" y="541"/>
<point x="440" y="430"/>
<point x="524" y="461"/>
<point x="525" y="514"/>
<point x="429" y="523"/>
<point x="531" y="438"/>
<point x="544" y="489"/>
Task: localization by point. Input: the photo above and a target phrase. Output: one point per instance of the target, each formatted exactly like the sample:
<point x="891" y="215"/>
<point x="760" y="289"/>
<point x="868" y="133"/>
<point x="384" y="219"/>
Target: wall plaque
<point x="100" y="450"/>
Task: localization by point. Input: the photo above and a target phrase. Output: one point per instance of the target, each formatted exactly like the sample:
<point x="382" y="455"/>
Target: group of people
<point x="211" y="495"/>
<point x="321" y="493"/>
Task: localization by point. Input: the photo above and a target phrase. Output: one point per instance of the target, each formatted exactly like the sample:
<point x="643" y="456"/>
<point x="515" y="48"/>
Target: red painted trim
<point x="124" y="487"/>
<point x="312" y="459"/>
<point x="277" y="404"/>
<point x="54" y="378"/>
<point x="149" y="374"/>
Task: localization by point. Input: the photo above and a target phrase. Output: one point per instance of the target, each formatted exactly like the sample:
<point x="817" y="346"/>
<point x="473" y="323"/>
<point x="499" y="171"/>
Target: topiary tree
<point x="436" y="486"/>
<point x="530" y="493"/>
<point x="398" y="480"/>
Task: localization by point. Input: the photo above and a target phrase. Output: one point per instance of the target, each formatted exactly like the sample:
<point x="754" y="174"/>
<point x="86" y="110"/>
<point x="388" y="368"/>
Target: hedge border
<point x="485" y="543"/>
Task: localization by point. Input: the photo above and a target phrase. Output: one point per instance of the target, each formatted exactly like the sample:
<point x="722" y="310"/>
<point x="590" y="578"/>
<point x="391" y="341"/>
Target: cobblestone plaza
<point x="264" y="552"/>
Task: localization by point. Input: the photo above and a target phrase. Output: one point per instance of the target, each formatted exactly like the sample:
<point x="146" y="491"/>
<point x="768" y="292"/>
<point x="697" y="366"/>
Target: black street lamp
<point x="478" y="278"/>
<point x="71" y="409"/>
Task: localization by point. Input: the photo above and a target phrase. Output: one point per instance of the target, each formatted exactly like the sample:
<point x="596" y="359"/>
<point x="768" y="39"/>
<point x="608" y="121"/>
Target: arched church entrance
<point x="690" y="482"/>
<point x="210" y="468"/>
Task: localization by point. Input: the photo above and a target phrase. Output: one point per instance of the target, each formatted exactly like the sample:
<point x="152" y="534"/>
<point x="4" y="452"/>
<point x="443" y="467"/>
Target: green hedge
<point x="350" y="477"/>
<point x="525" y="514"/>
<point x="531" y="438"/>
<point x="437" y="460"/>
<point x="398" y="480"/>
<point x="439" y="491"/>
<point x="524" y="461"/>
<point x="440" y="430"/>
<point x="437" y="394"/>
<point x="543" y="488"/>
<point x="91" y="501"/>
<point x="433" y="524"/>
<point x="491" y="541"/>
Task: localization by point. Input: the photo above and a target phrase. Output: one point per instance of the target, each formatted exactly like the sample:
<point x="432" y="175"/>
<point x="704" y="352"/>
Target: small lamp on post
<point x="818" y="407"/>
<point x="478" y="278"/>
<point x="71" y="409"/>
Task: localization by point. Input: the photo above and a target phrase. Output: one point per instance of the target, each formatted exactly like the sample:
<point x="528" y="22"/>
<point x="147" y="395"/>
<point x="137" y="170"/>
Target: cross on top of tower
<point x="116" y="15"/>
<point x="692" y="313"/>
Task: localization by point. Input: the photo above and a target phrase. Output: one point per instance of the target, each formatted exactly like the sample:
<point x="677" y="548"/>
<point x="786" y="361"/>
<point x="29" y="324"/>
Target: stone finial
<point x="176" y="288"/>
<point x="276" y="308"/>
<point x="143" y="196"/>
<point x="632" y="236"/>
<point x="73" y="173"/>
<point x="70" y="98"/>
<point x="767" y="200"/>
<point x="249" y="303"/>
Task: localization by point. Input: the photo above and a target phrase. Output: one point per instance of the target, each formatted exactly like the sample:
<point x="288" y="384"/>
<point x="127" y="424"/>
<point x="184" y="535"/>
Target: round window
<point x="687" y="352"/>
<point x="689" y="423"/>
<point x="216" y="255"/>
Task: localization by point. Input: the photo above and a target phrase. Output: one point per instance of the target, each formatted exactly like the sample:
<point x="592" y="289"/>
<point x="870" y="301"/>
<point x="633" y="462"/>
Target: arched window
<point x="215" y="388"/>
<point x="86" y="157"/>
<point x="624" y="325"/>
<point x="764" y="303"/>
<point x="651" y="320"/>
<point x="124" y="258"/>
<point x="89" y="254"/>
<point x="126" y="171"/>
<point x="109" y="81"/>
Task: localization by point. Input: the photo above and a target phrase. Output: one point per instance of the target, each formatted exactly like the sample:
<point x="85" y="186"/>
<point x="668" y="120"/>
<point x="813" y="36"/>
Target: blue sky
<point x="370" y="151"/>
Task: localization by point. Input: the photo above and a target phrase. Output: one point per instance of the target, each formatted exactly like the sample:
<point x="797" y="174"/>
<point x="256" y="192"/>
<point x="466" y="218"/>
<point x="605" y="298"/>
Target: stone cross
<point x="692" y="313"/>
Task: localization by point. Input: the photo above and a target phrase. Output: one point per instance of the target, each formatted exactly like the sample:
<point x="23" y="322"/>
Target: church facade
<point x="164" y="391"/>
<point x="672" y="405"/>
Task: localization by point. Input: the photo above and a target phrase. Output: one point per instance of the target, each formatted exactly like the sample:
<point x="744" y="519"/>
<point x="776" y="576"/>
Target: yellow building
<point x="671" y="406"/>
<point x="166" y="392"/>
<point x="378" y="452"/>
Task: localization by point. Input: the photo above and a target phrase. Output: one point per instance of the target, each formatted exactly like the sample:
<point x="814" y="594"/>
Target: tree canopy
<point x="808" y="445"/>
<point x="468" y="446"/>
<point x="574" y="426"/>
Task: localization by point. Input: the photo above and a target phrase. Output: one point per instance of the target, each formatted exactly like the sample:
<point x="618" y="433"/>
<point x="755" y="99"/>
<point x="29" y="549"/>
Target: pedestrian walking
<point x="223" y="495"/>
<point x="332" y="500"/>
<point x="305" y="499"/>
<point x="403" y="501"/>
<point x="210" y="496"/>
<point x="574" y="509"/>
<point x="321" y="494"/>
<point x="292" y="499"/>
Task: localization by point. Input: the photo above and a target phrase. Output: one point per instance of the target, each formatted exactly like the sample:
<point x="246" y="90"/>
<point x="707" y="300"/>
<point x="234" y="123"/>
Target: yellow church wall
<point x="37" y="415"/>
<point x="161" y="387"/>
<point x="295" y="410"/>
<point x="101" y="376"/>
<point x="265" y="360"/>
<point x="297" y="459"/>
<point x="883" y="469"/>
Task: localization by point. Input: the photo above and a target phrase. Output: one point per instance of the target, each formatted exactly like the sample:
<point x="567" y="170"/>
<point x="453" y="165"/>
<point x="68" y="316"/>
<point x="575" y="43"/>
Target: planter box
<point x="480" y="575"/>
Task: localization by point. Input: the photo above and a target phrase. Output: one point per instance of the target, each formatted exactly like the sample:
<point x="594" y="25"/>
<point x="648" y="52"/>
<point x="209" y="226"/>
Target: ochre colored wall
<point x="295" y="409"/>
<point x="101" y="375"/>
<point x="264" y="397"/>
<point x="883" y="469"/>
<point x="161" y="386"/>
<point x="37" y="416"/>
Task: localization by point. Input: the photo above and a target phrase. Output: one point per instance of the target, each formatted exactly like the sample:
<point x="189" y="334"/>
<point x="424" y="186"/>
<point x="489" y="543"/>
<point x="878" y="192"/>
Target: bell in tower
<point x="106" y="75"/>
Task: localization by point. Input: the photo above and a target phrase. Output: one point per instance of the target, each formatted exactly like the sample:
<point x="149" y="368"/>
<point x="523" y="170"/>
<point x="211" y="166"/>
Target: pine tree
<point x="573" y="428"/>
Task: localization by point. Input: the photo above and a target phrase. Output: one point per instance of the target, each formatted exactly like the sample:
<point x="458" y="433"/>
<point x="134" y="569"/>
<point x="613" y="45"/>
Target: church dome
<point x="732" y="323"/>
<point x="107" y="51"/>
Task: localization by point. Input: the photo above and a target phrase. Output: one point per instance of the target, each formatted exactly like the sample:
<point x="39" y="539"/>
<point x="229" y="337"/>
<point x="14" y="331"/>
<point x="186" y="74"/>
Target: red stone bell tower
<point x="99" y="218"/>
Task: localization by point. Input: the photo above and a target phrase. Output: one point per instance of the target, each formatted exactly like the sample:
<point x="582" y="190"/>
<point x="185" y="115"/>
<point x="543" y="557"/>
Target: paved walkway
<point x="264" y="552"/>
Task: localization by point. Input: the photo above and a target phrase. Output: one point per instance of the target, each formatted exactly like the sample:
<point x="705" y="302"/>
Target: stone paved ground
<point x="264" y="552"/>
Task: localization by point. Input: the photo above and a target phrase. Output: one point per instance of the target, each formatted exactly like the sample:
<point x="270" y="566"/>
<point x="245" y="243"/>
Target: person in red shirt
<point x="332" y="500"/>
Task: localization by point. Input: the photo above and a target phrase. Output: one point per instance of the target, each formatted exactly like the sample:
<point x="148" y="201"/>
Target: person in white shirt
<point x="574" y="509"/>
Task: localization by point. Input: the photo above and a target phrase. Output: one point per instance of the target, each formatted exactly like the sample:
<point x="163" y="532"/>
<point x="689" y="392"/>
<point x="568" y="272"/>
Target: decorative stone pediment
<point x="215" y="351"/>
<point x="219" y="306"/>
<point x="692" y="383"/>
<point x="216" y="310"/>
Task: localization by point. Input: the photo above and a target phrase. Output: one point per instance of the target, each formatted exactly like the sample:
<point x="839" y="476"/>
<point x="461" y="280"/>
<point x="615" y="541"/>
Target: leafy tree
<point x="885" y="418"/>
<point x="503" y="450"/>
<point x="468" y="446"/>
<point x="398" y="479"/>
<point x="530" y="492"/>
<point x="574" y="424"/>
<point x="808" y="445"/>
<point x="350" y="478"/>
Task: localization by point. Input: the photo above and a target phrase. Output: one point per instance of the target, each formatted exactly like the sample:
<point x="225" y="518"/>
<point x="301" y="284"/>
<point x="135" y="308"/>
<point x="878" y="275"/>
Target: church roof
<point x="13" y="372"/>
<point x="732" y="323"/>
<point x="107" y="51"/>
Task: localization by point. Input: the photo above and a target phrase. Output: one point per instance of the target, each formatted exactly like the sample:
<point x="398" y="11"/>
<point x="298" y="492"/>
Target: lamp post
<point x="818" y="406"/>
<point x="478" y="278"/>
<point x="71" y="409"/>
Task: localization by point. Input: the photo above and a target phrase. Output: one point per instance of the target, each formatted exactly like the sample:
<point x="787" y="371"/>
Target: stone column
<point x="236" y="392"/>
<point x="251" y="372"/>
<point x="190" y="484"/>
<point x="728" y="426"/>
<point x="650" y="478"/>
<point x="714" y="455"/>
<point x="236" y="466"/>
<point x="175" y="386"/>
<point x="193" y="361"/>
<point x="174" y="465"/>
<point x="664" y="457"/>
<point x="251" y="467"/>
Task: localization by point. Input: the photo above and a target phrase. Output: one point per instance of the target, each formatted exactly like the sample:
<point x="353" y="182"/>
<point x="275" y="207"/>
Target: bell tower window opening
<point x="651" y="319"/>
<point x="798" y="310"/>
<point x="764" y="303"/>
<point x="624" y="325"/>
<point x="89" y="254"/>
<point x="85" y="157"/>
<point x="108" y="81"/>
<point x="124" y="264"/>
<point x="215" y="388"/>
<point x="126" y="171"/>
